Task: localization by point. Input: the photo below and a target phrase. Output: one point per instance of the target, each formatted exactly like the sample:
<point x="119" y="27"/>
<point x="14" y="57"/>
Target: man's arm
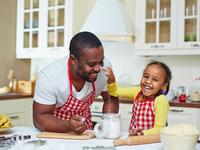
<point x="44" y="120"/>
<point x="111" y="104"/>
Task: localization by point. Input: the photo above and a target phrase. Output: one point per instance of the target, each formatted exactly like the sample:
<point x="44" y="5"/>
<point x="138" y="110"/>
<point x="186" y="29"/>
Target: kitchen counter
<point x="63" y="144"/>
<point x="174" y="102"/>
<point x="14" y="96"/>
<point x="99" y="99"/>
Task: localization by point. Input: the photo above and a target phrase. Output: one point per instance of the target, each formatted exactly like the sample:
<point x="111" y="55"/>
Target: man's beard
<point x="84" y="77"/>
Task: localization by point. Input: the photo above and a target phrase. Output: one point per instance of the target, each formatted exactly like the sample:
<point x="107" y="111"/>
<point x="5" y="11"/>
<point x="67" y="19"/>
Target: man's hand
<point x="77" y="124"/>
<point x="136" y="132"/>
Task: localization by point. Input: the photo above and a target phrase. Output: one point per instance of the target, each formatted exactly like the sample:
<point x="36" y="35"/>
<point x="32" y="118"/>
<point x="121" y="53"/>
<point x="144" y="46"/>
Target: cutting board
<point x="83" y="136"/>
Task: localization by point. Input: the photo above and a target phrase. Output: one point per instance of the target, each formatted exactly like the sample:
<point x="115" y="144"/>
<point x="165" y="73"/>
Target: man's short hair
<point x="83" y="41"/>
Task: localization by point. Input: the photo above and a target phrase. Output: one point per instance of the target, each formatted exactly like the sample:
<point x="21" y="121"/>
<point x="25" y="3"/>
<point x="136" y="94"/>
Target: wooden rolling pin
<point x="136" y="140"/>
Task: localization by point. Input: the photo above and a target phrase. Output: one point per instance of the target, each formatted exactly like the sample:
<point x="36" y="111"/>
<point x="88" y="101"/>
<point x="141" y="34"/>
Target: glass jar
<point x="110" y="127"/>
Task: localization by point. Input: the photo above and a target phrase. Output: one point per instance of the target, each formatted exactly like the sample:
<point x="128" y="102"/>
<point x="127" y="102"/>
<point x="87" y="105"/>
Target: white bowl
<point x="179" y="137"/>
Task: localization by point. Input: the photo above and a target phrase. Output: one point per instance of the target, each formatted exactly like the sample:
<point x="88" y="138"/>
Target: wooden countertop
<point x="174" y="103"/>
<point x="192" y="104"/>
<point x="14" y="96"/>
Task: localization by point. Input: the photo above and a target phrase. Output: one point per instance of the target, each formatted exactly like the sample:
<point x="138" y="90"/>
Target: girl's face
<point x="153" y="80"/>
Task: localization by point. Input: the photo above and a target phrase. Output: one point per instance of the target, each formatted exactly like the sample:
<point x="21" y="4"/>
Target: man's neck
<point x="77" y="81"/>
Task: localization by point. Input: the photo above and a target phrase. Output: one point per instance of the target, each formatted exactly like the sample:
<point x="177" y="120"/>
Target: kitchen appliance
<point x="109" y="21"/>
<point x="109" y="127"/>
<point x="96" y="111"/>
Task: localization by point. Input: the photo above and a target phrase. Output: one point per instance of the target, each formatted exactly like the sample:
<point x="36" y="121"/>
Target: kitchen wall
<point x="127" y="66"/>
<point x="8" y="43"/>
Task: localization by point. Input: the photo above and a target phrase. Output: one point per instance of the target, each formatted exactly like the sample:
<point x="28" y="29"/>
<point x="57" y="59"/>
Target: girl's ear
<point x="164" y="88"/>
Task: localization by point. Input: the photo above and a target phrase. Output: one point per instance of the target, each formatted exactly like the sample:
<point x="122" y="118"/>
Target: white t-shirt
<point x="52" y="84"/>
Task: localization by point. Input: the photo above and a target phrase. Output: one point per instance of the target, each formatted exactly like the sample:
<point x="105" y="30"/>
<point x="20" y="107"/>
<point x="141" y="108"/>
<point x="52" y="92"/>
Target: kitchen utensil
<point x="109" y="127"/>
<point x="6" y="129"/>
<point x="137" y="140"/>
<point x="83" y="136"/>
<point x="179" y="137"/>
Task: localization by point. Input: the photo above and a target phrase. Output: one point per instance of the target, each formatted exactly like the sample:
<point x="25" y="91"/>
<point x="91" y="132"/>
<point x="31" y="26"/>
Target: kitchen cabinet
<point x="167" y="27"/>
<point x="179" y="115"/>
<point x="189" y="23"/>
<point x="43" y="28"/>
<point x="19" y="111"/>
<point x="155" y="26"/>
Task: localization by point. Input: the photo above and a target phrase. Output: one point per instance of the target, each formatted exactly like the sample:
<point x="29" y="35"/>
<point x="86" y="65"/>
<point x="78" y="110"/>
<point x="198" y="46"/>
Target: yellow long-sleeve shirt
<point x="161" y="105"/>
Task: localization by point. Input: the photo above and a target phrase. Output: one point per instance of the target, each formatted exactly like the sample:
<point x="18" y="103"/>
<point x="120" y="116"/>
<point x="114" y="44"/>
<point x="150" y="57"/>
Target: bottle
<point x="182" y="94"/>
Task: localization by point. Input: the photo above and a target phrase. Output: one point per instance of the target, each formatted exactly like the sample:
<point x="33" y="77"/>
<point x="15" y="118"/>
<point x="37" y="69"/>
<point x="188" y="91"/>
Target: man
<point x="66" y="88"/>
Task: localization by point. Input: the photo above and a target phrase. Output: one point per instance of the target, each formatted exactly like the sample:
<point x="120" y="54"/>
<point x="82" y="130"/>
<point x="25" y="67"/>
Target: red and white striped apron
<point x="143" y="114"/>
<point x="74" y="106"/>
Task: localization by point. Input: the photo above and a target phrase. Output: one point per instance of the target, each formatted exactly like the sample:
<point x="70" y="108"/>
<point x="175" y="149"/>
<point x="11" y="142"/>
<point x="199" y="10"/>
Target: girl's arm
<point x="115" y="90"/>
<point x="161" y="108"/>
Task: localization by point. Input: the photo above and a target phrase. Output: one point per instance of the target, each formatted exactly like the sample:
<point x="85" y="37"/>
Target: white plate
<point x="5" y="129"/>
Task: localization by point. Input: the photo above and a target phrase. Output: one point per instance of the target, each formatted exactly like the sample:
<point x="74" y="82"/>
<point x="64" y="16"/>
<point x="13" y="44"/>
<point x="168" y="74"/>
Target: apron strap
<point x="69" y="76"/>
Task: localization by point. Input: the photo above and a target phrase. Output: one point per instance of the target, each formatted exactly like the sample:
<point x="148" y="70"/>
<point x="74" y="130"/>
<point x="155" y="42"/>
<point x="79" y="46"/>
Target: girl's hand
<point x="136" y="132"/>
<point x="109" y="73"/>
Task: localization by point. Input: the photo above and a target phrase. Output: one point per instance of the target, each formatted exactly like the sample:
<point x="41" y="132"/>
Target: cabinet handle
<point x="96" y="107"/>
<point x="175" y="110"/>
<point x="195" y="45"/>
<point x="96" y="112"/>
<point x="13" y="116"/>
<point x="99" y="116"/>
<point x="157" y="46"/>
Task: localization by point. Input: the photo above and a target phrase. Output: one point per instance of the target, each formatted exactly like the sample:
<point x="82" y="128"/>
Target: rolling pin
<point x="136" y="140"/>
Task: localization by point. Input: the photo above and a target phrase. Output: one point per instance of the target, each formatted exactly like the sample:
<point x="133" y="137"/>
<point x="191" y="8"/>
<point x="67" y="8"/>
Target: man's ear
<point x="73" y="59"/>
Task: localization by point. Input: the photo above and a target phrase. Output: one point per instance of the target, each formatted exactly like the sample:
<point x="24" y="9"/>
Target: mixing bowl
<point x="179" y="137"/>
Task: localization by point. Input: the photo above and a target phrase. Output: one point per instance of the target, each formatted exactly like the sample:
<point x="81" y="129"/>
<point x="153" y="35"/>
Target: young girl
<point x="150" y="108"/>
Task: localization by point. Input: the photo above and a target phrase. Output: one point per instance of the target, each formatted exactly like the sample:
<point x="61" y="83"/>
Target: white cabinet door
<point x="19" y="111"/>
<point x="179" y="115"/>
<point x="155" y="26"/>
<point x="126" y="114"/>
<point x="43" y="28"/>
<point x="189" y="25"/>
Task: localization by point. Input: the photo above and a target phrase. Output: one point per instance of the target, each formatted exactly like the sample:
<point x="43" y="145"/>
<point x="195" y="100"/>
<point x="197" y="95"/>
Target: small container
<point x="182" y="94"/>
<point x="110" y="127"/>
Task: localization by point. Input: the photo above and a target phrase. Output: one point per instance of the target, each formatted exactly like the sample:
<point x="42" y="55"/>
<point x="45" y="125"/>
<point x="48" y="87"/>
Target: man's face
<point x="89" y="63"/>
